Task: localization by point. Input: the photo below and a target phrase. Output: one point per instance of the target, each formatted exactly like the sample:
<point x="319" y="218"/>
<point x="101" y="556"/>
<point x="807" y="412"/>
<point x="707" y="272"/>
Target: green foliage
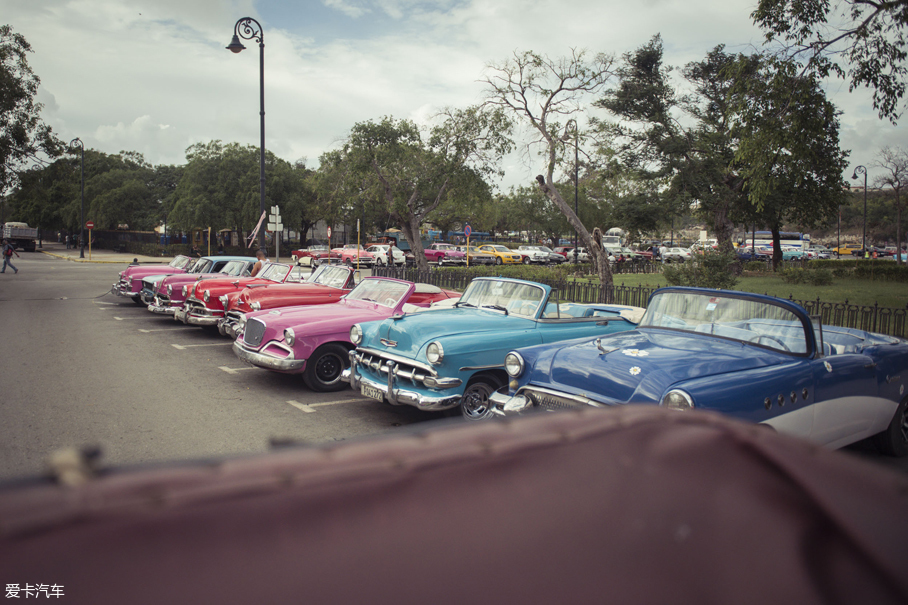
<point x="881" y="271"/>
<point x="815" y="277"/>
<point x="527" y="272"/>
<point x="861" y="41"/>
<point x="23" y="135"/>
<point x="710" y="270"/>
<point x="756" y="265"/>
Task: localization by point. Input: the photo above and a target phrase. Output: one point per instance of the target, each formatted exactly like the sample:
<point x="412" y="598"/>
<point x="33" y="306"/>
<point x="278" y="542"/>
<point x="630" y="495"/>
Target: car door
<point x="845" y="397"/>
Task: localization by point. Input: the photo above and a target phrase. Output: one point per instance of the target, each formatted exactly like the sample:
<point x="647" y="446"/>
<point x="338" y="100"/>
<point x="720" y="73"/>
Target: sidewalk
<point x="99" y="256"/>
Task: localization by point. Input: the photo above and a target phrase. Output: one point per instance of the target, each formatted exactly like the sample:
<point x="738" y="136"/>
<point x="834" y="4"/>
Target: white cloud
<point x="114" y="71"/>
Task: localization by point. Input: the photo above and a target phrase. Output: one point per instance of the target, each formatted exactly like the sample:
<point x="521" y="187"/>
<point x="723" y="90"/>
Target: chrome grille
<point x="378" y="365"/>
<point x="550" y="401"/>
<point x="255" y="330"/>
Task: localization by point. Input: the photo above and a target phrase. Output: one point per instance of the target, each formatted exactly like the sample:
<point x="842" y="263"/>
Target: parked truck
<point x="20" y="235"/>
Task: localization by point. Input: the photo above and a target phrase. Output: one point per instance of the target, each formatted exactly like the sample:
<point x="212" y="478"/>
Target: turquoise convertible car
<point x="437" y="360"/>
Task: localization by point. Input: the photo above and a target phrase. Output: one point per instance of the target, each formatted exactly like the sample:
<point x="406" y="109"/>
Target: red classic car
<point x="171" y="292"/>
<point x="314" y="255"/>
<point x="326" y="285"/>
<point x="203" y="306"/>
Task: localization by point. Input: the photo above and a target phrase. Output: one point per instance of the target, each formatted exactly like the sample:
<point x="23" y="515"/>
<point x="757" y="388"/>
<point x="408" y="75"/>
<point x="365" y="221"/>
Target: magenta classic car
<point x="170" y="292"/>
<point x="129" y="283"/>
<point x="442" y="253"/>
<point x="315" y="341"/>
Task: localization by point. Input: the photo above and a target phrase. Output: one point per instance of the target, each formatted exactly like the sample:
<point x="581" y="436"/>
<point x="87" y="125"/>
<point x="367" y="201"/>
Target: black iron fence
<point x="882" y="320"/>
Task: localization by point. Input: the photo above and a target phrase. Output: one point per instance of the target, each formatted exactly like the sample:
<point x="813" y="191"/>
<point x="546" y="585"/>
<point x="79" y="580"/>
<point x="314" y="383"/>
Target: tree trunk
<point x="898" y="229"/>
<point x="724" y="229"/>
<point x="599" y="256"/>
<point x="776" y="247"/>
<point x="410" y="227"/>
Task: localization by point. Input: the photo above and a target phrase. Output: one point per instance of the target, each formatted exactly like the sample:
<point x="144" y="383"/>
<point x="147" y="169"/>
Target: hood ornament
<point x="389" y="343"/>
<point x="604" y="350"/>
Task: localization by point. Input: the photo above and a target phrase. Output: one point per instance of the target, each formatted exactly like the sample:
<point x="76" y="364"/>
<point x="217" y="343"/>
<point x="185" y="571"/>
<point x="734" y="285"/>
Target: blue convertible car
<point x="757" y="358"/>
<point x="441" y="359"/>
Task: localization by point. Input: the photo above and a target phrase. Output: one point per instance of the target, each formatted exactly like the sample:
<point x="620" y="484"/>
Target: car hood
<point x="416" y="329"/>
<point x="219" y="286"/>
<point x="283" y="295"/>
<point x="143" y="270"/>
<point x="642" y="364"/>
<point x="309" y="321"/>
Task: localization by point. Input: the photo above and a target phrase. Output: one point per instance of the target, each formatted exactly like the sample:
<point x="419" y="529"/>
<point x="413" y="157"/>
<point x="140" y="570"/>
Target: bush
<point x="711" y="270"/>
<point x="756" y="265"/>
<point x="882" y="271"/>
<point x="814" y="277"/>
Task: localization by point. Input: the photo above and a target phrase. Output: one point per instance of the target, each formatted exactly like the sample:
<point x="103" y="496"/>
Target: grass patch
<point x="854" y="290"/>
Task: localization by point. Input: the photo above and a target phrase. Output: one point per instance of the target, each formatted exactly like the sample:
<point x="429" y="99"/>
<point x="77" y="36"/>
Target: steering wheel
<point x="759" y="337"/>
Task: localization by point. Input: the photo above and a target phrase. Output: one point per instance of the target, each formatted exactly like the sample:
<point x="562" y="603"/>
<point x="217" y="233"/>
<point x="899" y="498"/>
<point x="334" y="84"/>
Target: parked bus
<point x="764" y="238"/>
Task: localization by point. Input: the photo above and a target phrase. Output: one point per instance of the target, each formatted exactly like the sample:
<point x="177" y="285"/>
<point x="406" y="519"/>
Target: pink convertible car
<point x="315" y="341"/>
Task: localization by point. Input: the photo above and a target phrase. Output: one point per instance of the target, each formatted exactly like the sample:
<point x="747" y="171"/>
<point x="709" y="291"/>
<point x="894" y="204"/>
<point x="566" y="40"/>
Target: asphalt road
<point x="83" y="367"/>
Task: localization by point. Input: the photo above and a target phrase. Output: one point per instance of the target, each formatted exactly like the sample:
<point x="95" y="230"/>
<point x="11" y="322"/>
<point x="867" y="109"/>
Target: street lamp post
<point x="72" y="144"/>
<point x="573" y="124"/>
<point x="857" y="171"/>
<point x="248" y="28"/>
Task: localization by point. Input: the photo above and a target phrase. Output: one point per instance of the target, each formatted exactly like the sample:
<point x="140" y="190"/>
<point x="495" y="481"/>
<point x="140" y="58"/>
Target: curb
<point x="85" y="260"/>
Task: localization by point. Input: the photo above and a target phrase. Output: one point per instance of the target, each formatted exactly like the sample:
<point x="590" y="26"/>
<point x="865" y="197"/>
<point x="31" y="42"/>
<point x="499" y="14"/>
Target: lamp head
<point x="235" y="45"/>
<point x="854" y="176"/>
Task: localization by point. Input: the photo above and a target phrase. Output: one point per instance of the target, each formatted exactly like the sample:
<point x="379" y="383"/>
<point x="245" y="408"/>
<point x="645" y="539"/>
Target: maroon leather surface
<point x="634" y="505"/>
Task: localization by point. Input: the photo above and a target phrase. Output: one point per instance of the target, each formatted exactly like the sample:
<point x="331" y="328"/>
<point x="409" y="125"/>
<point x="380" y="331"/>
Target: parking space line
<point x="235" y="370"/>
<point x="213" y="344"/>
<point x="130" y="318"/>
<point x="310" y="408"/>
<point x="162" y="330"/>
<point x="98" y="302"/>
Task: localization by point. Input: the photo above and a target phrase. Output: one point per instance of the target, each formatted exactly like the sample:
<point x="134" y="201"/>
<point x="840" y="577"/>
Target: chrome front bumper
<point x="269" y="362"/>
<point x="397" y="396"/>
<point x="119" y="289"/>
<point x="196" y="317"/>
<point x="509" y="405"/>
<point x="161" y="309"/>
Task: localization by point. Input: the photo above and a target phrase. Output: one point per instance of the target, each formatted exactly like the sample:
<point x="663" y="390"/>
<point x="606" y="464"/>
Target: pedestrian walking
<point x="68" y="242"/>
<point x="8" y="250"/>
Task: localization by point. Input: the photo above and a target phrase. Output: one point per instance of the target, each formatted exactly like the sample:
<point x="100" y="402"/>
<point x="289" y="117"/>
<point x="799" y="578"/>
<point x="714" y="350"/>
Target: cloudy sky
<point x="153" y="76"/>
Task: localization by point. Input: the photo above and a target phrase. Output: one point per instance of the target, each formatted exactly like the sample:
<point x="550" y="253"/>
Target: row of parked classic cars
<point x="508" y="346"/>
<point x="437" y="253"/>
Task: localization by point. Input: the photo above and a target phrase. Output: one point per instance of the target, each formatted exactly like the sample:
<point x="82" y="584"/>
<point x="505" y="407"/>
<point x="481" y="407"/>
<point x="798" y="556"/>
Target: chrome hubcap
<point x="475" y="402"/>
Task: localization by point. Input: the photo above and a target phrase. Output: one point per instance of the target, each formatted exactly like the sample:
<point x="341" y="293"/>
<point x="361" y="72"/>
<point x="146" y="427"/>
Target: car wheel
<point x="348" y="262"/>
<point x="526" y="260"/>
<point x="379" y="262"/>
<point x="475" y="404"/>
<point x="497" y="260"/>
<point x="324" y="367"/>
<point x="894" y="440"/>
<point x="138" y="301"/>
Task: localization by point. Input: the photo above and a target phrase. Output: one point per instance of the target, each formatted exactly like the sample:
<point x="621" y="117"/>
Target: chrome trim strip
<point x="472" y="368"/>
<point x="399" y="359"/>
<point x="269" y="362"/>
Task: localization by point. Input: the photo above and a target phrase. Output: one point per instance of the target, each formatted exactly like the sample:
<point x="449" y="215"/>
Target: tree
<point x="895" y="163"/>
<point x="861" y="40"/>
<point x="413" y="176"/>
<point x="23" y="135"/>
<point x="543" y="92"/>
<point x="687" y="163"/>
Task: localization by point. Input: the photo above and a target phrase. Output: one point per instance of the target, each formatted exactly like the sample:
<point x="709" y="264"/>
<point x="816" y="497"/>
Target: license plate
<point x="373" y="393"/>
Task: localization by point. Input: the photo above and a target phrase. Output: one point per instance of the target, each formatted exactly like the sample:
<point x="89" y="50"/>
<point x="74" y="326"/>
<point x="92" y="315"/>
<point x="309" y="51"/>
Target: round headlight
<point x="677" y="400"/>
<point x="513" y="364"/>
<point x="435" y="353"/>
<point x="207" y="296"/>
<point x="289" y="336"/>
<point x="223" y="300"/>
<point x="169" y="289"/>
<point x="356" y="334"/>
<point x="256" y="306"/>
<point x="185" y="290"/>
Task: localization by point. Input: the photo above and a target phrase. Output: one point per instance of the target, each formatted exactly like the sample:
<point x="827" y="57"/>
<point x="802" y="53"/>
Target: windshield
<point x="499" y="248"/>
<point x="234" y="268"/>
<point x="180" y="262"/>
<point x="757" y="322"/>
<point x="514" y="297"/>
<point x="318" y="248"/>
<point x="330" y="275"/>
<point x="545" y="248"/>
<point x="382" y="291"/>
<point x="201" y="265"/>
<point x="275" y="272"/>
<point x="444" y="247"/>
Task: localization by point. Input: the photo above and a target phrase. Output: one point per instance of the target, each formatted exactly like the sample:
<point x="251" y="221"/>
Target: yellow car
<point x="846" y="250"/>
<point x="502" y="254"/>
